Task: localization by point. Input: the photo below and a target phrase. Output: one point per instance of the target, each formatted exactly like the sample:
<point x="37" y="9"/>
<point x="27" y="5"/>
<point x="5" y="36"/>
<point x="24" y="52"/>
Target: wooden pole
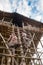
<point x="21" y="47"/>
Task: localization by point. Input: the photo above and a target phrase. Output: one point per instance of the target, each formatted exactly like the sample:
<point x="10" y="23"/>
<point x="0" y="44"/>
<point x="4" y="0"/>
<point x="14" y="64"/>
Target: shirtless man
<point x="12" y="41"/>
<point x="25" y="39"/>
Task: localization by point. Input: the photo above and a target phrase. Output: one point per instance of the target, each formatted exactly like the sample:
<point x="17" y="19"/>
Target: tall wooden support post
<point x="21" y="47"/>
<point x="13" y="57"/>
<point x="3" y="58"/>
<point x="13" y="50"/>
<point x="8" y="60"/>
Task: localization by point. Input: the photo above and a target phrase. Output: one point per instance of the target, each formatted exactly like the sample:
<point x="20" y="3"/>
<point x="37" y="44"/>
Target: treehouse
<point x="18" y="23"/>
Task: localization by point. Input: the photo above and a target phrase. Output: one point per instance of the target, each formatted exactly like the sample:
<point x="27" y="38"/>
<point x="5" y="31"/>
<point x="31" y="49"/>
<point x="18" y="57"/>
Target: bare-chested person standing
<point x="12" y="41"/>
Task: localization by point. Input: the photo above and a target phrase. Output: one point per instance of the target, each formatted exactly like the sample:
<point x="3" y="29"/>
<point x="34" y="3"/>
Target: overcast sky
<point x="28" y="8"/>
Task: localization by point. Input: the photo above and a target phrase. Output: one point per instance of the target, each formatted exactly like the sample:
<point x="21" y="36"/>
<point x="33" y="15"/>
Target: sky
<point x="29" y="8"/>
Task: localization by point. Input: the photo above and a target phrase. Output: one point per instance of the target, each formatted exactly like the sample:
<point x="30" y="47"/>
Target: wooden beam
<point x="8" y="55"/>
<point x="5" y="23"/>
<point x="34" y="29"/>
<point x="20" y="50"/>
<point x="30" y="28"/>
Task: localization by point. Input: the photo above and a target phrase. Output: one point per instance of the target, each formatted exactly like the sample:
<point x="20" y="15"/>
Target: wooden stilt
<point x="13" y="50"/>
<point x="22" y="53"/>
<point x="3" y="59"/>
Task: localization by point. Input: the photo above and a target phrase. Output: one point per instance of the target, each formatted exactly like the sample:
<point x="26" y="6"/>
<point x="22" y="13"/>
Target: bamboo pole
<point x="8" y="55"/>
<point x="3" y="58"/>
<point x="34" y="29"/>
<point x="21" y="48"/>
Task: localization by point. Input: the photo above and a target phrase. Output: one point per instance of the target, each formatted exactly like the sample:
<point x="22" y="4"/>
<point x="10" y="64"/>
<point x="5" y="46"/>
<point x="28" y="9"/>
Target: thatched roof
<point x="18" y="19"/>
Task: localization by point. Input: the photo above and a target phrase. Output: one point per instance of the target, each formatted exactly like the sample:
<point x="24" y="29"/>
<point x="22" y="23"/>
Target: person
<point x="12" y="41"/>
<point x="25" y="39"/>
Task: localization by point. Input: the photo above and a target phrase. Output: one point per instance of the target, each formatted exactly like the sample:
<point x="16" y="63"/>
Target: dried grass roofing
<point x="18" y="18"/>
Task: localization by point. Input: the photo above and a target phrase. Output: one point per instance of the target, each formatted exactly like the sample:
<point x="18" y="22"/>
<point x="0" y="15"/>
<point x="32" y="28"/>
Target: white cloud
<point x="1" y="7"/>
<point x="5" y="5"/>
<point x="14" y="5"/>
<point x="23" y="8"/>
<point x="40" y="5"/>
<point x="37" y="17"/>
